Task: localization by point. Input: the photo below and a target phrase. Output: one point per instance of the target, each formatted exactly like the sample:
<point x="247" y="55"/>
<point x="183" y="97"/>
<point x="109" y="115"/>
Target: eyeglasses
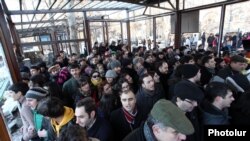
<point x="190" y="102"/>
<point x="95" y="76"/>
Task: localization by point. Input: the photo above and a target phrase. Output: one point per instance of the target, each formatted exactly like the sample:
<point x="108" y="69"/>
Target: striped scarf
<point x="130" y="117"/>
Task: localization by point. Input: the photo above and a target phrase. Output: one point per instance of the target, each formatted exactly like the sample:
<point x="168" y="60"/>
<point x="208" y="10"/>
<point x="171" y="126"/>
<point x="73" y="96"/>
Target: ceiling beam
<point x="37" y="22"/>
<point x="213" y="5"/>
<point x="40" y="28"/>
<point x="17" y="12"/>
<point x="39" y="2"/>
<point x="147" y="4"/>
<point x="171" y="4"/>
<point x="51" y="42"/>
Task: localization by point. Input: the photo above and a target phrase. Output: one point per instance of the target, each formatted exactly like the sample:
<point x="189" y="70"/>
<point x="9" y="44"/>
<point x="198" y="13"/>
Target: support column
<point x="107" y="32"/>
<point x="69" y="46"/>
<point x="72" y="29"/>
<point x="18" y="49"/>
<point x="128" y="32"/>
<point x="222" y="18"/>
<point x="54" y="46"/>
<point x="41" y="46"/>
<point x="121" y="31"/>
<point x="87" y="30"/>
<point x="177" y="40"/>
<point x="154" y="32"/>
<point x="8" y="48"/>
<point x="103" y="32"/>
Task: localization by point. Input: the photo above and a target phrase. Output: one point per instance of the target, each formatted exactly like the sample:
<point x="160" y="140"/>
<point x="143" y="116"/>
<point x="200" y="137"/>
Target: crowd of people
<point x="114" y="94"/>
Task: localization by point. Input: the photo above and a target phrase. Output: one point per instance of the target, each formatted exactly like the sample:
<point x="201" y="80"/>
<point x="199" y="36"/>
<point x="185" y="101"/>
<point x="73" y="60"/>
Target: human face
<point x="129" y="79"/>
<point x="237" y="66"/>
<point x="186" y="105"/>
<point x="15" y="96"/>
<point x="190" y="104"/>
<point x="94" y="61"/>
<point x="211" y="63"/>
<point x="191" y="62"/>
<point x="34" y="72"/>
<point x="156" y="78"/>
<point x="54" y="71"/>
<point x="164" y="68"/>
<point x="95" y="76"/>
<point x="82" y="117"/>
<point x="109" y="80"/>
<point x="167" y="134"/>
<point x="107" y="89"/>
<point x="128" y="101"/>
<point x="85" y="88"/>
<point x="32" y="103"/>
<point x="223" y="64"/>
<point x="148" y="83"/>
<point x="149" y="59"/>
<point x="59" y="59"/>
<point x="75" y="72"/>
<point x="228" y="99"/>
<point x="125" y="87"/>
<point x="117" y="70"/>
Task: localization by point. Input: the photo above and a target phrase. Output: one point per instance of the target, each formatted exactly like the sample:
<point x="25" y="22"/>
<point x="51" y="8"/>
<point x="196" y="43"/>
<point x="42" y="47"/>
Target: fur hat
<point x="36" y="93"/>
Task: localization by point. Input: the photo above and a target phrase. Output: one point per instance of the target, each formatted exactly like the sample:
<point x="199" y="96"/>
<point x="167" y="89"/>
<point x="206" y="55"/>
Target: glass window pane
<point x="12" y="4"/>
<point x="195" y="3"/>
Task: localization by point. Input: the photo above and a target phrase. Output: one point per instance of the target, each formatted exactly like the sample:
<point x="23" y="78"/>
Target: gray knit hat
<point x="114" y="64"/>
<point x="111" y="74"/>
<point x="36" y="93"/>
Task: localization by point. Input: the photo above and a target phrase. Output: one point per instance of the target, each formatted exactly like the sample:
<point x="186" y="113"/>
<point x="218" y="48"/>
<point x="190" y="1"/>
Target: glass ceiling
<point x="32" y="14"/>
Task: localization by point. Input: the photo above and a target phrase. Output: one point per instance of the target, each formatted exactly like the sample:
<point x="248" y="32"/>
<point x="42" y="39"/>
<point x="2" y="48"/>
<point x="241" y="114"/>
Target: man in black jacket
<point x="127" y="118"/>
<point x="86" y="117"/>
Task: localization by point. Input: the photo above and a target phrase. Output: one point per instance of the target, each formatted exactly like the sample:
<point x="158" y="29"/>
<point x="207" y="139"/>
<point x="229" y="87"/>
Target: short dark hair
<point x="186" y="59"/>
<point x="83" y="81"/>
<point x="73" y="132"/>
<point x="215" y="89"/>
<point x="159" y="64"/>
<point x="19" y="87"/>
<point x="38" y="80"/>
<point x="120" y="82"/>
<point x="51" y="107"/>
<point x="142" y="77"/>
<point x="88" y="103"/>
<point x="35" y="67"/>
<point x="74" y="66"/>
<point x="238" y="58"/>
<point x="205" y="59"/>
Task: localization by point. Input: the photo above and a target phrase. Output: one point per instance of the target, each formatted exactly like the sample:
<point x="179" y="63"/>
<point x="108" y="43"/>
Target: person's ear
<point x="218" y="98"/>
<point x="19" y="93"/>
<point x="92" y="114"/>
<point x="156" y="130"/>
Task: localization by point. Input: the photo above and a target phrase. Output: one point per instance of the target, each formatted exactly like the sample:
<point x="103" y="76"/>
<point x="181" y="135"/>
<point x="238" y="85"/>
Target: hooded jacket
<point x="55" y="129"/>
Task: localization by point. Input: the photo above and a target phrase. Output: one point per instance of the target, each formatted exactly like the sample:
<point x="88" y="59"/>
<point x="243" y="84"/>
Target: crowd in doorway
<point x="115" y="94"/>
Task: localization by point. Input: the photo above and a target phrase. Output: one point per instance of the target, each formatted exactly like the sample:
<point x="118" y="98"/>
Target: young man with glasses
<point x="188" y="96"/>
